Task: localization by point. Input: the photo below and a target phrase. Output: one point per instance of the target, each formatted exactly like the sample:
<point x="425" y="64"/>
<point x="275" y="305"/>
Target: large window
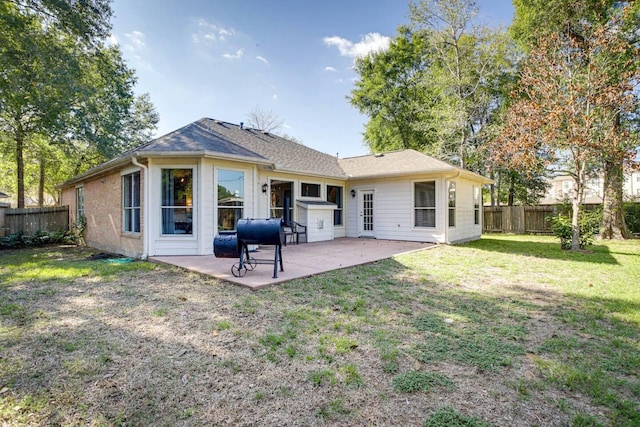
<point x="452" y="204"/>
<point x="131" y="202"/>
<point x="334" y="195"/>
<point x="477" y="198"/>
<point x="177" y="201"/>
<point x="425" y="204"/>
<point x="310" y="190"/>
<point x="230" y="198"/>
<point x="80" y="205"/>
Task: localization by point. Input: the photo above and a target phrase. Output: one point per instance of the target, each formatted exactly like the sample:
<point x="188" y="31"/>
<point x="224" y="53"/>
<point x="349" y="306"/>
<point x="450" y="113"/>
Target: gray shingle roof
<point x="285" y="154"/>
<point x="397" y="163"/>
<point x="214" y="138"/>
<point x="3" y="195"/>
<point x="198" y="137"/>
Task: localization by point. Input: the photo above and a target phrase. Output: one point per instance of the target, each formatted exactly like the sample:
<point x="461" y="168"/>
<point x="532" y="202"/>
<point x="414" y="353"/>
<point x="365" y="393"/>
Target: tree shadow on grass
<point x="597" y="254"/>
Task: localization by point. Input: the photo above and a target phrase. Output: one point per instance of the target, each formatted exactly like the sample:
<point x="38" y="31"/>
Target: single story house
<point x="173" y="195"/>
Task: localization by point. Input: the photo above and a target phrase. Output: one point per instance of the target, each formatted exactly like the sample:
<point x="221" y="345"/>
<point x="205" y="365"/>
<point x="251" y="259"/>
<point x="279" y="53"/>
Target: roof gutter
<point x="95" y="172"/>
<point x="146" y="234"/>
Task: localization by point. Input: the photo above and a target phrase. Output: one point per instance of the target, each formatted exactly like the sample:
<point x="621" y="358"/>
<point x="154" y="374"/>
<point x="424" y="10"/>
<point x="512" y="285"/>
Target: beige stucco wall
<point x="103" y="213"/>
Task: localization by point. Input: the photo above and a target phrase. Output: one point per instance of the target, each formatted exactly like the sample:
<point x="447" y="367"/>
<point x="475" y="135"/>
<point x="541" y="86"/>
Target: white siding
<point x="319" y="222"/>
<point x="175" y="244"/>
<point x="465" y="228"/>
<point x="394" y="210"/>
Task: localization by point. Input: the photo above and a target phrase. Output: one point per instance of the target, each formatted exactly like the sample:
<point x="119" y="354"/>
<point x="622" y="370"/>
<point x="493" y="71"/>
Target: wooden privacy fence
<point x="31" y="220"/>
<point x="518" y="219"/>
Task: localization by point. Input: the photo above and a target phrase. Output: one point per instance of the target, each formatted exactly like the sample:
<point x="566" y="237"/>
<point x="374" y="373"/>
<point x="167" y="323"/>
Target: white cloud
<point x="260" y="58"/>
<point x="371" y="42"/>
<point x="330" y="69"/>
<point x="135" y="41"/>
<point x="112" y="40"/>
<point x="236" y="55"/>
<point x="275" y="97"/>
<point x="209" y="33"/>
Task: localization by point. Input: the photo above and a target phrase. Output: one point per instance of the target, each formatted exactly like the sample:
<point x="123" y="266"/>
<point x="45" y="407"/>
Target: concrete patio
<point x="303" y="260"/>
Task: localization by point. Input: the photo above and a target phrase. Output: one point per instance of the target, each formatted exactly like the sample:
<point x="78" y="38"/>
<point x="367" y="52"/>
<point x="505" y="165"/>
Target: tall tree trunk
<point x="512" y="190"/>
<point x="19" y="137"/>
<point x="492" y="188"/>
<point x="463" y="151"/>
<point x="41" y="182"/>
<point x="498" y="188"/>
<point x="576" y="204"/>
<point x="613" y="225"/>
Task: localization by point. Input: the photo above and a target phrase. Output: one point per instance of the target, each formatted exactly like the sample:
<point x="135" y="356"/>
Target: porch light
<point x="353" y="193"/>
<point x="265" y="187"/>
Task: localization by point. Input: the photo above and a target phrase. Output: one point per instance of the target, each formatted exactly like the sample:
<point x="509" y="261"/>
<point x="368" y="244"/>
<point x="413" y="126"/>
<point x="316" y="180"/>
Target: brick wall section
<point x="103" y="212"/>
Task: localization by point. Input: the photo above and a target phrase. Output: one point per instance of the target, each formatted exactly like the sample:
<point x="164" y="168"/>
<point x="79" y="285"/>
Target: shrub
<point x="632" y="216"/>
<point x="40" y="238"/>
<point x="588" y="224"/>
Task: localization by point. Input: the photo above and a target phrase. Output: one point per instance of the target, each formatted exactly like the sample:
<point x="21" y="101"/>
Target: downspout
<point x="145" y="237"/>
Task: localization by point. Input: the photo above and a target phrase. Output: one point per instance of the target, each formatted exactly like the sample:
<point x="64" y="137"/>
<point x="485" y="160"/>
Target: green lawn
<point x="507" y="330"/>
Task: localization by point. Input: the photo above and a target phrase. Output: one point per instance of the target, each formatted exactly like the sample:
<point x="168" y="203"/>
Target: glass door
<point x="366" y="223"/>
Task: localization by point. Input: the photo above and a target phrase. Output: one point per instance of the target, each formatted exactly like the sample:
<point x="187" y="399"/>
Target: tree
<point x="391" y="90"/>
<point x="437" y="86"/>
<point x="466" y="59"/>
<point x="266" y="121"/>
<point x="37" y="82"/>
<point x="535" y="19"/>
<point x="89" y="21"/>
<point x="563" y="115"/>
<point x="518" y="188"/>
<point x="61" y="83"/>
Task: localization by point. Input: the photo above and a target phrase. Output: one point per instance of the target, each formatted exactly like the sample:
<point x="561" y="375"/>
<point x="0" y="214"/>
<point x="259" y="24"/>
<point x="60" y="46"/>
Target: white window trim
<point x="455" y="206"/>
<point x="319" y="184"/>
<point x="244" y="190"/>
<point x="139" y="208"/>
<point x="479" y="208"/>
<point x="194" y="204"/>
<point x="413" y="204"/>
<point x="344" y="201"/>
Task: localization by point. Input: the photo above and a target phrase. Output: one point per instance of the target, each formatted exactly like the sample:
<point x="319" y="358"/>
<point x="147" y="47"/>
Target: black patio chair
<point x="299" y="229"/>
<point x="289" y="233"/>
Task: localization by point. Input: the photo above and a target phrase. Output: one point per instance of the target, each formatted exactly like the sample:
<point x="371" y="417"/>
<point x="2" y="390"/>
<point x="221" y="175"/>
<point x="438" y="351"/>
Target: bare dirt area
<point x="155" y="345"/>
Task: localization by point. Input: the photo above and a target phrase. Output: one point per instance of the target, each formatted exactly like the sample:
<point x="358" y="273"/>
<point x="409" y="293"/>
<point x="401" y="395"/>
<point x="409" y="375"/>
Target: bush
<point x="588" y="224"/>
<point x="632" y="216"/>
<point x="40" y="238"/>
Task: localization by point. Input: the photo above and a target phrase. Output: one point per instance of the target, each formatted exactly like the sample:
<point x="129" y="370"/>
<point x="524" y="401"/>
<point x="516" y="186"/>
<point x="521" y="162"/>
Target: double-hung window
<point x="230" y="198"/>
<point x="452" y="204"/>
<point x="177" y="201"/>
<point x="80" y="205"/>
<point x="131" y="203"/>
<point x="334" y="195"/>
<point x="477" y="198"/>
<point x="424" y="205"/>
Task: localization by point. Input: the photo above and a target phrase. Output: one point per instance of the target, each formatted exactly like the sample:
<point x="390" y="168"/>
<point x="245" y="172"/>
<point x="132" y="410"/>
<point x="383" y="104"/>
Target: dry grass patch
<point x="398" y="342"/>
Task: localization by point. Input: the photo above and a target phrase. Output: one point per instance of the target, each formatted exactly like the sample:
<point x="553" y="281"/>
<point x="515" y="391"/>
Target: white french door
<point x="366" y="220"/>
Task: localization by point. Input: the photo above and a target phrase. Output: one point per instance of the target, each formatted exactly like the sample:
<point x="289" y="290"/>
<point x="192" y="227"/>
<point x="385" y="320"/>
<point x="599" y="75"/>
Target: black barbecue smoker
<point x="268" y="231"/>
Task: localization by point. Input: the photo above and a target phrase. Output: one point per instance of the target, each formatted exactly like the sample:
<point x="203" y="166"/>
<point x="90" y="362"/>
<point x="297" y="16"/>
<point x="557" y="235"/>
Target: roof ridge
<point x="383" y="152"/>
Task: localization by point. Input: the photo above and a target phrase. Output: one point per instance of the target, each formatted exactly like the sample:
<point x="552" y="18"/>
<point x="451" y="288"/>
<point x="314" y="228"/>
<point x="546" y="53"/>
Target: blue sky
<point x="224" y="58"/>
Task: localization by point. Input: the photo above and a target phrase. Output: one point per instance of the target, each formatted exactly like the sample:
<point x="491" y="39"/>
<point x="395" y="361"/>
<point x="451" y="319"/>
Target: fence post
<point x="3" y="206"/>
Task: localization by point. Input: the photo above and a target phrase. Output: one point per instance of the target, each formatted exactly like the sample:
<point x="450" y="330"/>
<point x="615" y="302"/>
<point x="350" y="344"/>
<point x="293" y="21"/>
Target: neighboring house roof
<point x="3" y="195"/>
<point x="217" y="139"/>
<point x="400" y="163"/>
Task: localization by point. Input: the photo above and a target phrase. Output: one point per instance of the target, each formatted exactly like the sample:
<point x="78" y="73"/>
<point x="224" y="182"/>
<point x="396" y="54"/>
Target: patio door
<point x="366" y="220"/>
<point x="281" y="201"/>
